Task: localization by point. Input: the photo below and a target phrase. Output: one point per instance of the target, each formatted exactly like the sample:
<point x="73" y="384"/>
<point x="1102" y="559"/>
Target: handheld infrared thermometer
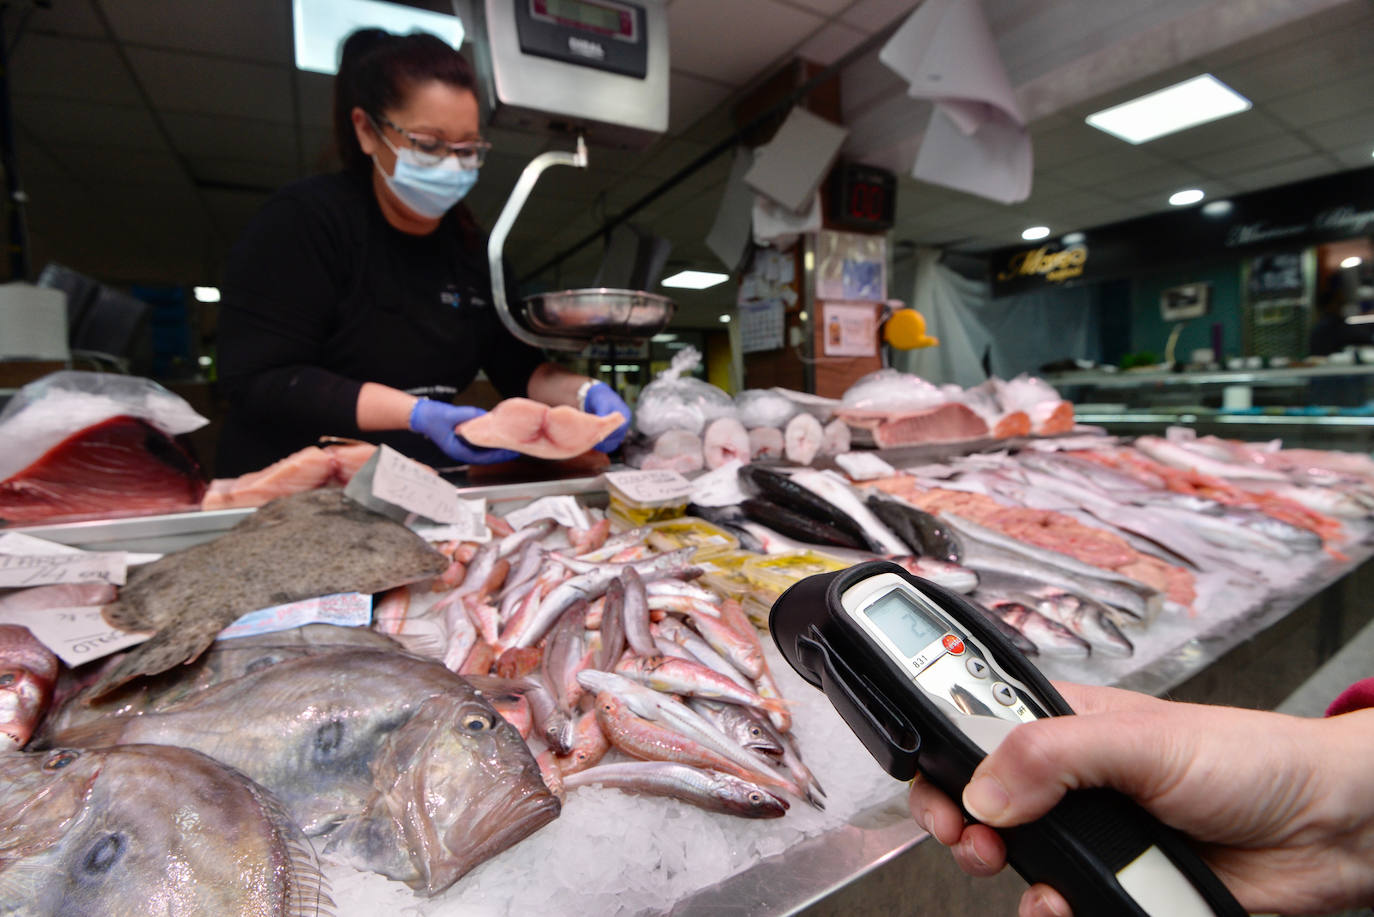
<point x="928" y="685"/>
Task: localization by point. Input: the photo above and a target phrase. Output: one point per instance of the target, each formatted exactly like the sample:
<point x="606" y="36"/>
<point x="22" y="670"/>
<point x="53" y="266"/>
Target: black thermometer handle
<point x="1081" y="847"/>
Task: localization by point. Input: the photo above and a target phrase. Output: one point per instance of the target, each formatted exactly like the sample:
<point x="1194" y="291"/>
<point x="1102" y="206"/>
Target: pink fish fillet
<point x="802" y="439"/>
<point x="307" y="469"/>
<point x="724" y="440"/>
<point x="537" y="430"/>
<point x="951" y="422"/>
<point x="765" y="443"/>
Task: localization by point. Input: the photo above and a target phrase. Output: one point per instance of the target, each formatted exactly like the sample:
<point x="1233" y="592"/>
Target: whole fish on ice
<point x="357" y="744"/>
<point x="148" y="831"/>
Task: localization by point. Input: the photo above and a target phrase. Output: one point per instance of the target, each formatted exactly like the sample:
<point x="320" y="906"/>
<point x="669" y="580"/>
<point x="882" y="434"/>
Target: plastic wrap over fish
<point x="677" y="401"/>
<point x="761" y="407"/>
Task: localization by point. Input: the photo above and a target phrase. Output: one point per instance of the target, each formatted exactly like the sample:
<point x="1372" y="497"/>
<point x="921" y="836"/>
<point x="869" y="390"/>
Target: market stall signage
<point x="1055" y="266"/>
<point x="1286" y="218"/>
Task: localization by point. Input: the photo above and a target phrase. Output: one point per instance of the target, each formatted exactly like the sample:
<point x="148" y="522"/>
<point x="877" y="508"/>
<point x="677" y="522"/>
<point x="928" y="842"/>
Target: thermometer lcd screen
<point x="904" y="623"/>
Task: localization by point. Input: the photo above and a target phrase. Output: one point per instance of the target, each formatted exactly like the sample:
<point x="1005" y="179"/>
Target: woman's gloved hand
<point x="437" y="420"/>
<point x="601" y="400"/>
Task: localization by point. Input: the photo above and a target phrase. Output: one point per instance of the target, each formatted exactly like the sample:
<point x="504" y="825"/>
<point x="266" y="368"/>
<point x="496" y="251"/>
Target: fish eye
<point x="60" y="760"/>
<point x="756" y="799"/>
<point x="476" y="722"/>
<point x="6" y="679"/>
<point x="328" y="738"/>
<point x="104" y="854"/>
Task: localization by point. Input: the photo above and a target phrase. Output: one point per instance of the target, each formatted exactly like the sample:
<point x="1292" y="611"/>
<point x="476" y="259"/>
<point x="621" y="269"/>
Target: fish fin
<point x="776" y="705"/>
<point x="814" y="801"/>
<point x="164" y="650"/>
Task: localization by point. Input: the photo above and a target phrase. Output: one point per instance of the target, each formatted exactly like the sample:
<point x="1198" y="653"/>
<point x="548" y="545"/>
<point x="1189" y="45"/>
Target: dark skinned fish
<point x="924" y="533"/>
<point x="795" y="525"/>
<point x="780" y="489"/>
<point x="297" y="547"/>
<point x="728" y="518"/>
<point x="144" y="830"/>
<point x="358" y="744"/>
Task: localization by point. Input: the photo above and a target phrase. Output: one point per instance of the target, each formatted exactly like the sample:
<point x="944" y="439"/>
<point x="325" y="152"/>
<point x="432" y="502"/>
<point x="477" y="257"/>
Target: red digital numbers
<point x="866" y="201"/>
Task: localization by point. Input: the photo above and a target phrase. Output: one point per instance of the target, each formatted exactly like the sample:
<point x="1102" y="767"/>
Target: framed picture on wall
<point x="1185" y="301"/>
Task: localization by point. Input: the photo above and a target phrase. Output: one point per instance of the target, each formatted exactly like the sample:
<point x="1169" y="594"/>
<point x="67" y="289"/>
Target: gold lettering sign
<point x="1055" y="267"/>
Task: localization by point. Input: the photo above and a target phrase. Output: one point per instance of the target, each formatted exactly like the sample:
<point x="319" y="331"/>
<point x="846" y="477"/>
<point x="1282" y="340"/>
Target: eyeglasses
<point x="431" y="150"/>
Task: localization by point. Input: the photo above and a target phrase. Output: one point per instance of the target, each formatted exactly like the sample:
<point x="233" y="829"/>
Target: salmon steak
<point x="537" y="430"/>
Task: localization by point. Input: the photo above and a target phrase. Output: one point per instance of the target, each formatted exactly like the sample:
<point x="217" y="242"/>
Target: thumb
<point x="1038" y="762"/>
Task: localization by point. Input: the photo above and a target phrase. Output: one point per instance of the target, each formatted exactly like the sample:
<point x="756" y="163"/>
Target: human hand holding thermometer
<point x="928" y="685"/>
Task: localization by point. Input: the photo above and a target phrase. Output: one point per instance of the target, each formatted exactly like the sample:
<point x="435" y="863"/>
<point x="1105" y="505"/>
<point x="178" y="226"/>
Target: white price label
<point x="565" y="510"/>
<point x="345" y="609"/>
<point x="720" y="487"/>
<point x="864" y="466"/>
<point x="18" y="570"/>
<point x="651" y="486"/>
<point x="19" y="543"/>
<point x="416" y="488"/>
<point x="76" y="635"/>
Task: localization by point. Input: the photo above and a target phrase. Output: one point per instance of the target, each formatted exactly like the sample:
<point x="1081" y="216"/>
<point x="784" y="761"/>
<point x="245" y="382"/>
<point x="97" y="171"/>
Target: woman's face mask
<point x="429" y="190"/>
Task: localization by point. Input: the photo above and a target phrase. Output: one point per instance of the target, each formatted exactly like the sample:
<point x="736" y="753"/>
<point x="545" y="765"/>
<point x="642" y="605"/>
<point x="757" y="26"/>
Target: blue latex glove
<point x="602" y="400"/>
<point x="436" y="420"/>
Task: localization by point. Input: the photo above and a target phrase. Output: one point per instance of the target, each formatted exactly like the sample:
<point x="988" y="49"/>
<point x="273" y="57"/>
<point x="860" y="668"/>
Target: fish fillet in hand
<point x="535" y="429"/>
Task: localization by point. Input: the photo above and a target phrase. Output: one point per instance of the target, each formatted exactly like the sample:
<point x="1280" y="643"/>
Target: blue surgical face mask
<point x="429" y="190"/>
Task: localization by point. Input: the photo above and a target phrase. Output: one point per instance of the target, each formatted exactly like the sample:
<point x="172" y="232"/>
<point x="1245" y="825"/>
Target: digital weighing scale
<point x="596" y="69"/>
<point x="928" y="685"/>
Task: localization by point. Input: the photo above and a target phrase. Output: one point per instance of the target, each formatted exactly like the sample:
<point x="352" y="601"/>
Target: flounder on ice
<point x="147" y="830"/>
<point x="398" y="764"/>
<point x="296" y="547"/>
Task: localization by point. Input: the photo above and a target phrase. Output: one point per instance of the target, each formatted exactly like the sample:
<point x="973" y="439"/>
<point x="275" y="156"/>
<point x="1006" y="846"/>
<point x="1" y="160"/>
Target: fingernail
<point x="924" y="819"/>
<point x="1051" y="905"/>
<point x="971" y="851"/>
<point x="986" y="798"/>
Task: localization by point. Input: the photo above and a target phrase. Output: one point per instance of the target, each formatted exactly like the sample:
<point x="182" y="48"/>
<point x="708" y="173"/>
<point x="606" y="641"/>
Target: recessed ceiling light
<point x="1190" y="103"/>
<point x="725" y="319"/>
<point x="1035" y="232"/>
<point x="663" y="338"/>
<point x="1216" y="208"/>
<point x="1352" y="261"/>
<point x="321" y="26"/>
<point x="1073" y="238"/>
<point x="695" y="280"/>
<point x="1186" y="197"/>
<point x="206" y="294"/>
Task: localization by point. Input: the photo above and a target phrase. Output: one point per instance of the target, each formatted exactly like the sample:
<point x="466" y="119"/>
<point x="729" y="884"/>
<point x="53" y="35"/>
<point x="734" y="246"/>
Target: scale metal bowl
<point x="598" y="313"/>
<point x="568" y="319"/>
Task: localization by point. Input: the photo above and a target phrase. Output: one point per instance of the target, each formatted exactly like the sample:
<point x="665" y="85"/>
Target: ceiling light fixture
<point x="1034" y="233"/>
<point x="1190" y="103"/>
<point x="1186" y="197"/>
<point x="320" y="27"/>
<point x="1216" y="208"/>
<point x="1073" y="238"/>
<point x="1352" y="261"/>
<point x="206" y="294"/>
<point x="695" y="280"/>
<point x="725" y="319"/>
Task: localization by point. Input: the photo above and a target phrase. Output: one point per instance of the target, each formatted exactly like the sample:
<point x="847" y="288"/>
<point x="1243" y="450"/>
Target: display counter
<point x="609" y="853"/>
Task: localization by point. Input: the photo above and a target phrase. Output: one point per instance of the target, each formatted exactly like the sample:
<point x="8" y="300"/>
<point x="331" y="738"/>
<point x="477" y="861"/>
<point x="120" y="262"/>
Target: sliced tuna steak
<point x="535" y="429"/>
<point x="119" y="467"/>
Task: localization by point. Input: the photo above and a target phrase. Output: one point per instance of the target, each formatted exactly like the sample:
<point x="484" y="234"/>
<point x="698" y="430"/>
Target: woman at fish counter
<point x="351" y="297"/>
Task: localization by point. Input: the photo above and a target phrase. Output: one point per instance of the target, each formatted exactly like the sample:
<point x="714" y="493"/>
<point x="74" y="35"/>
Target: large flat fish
<point x="147" y="830"/>
<point x="398" y="764"/>
<point x="295" y="547"/>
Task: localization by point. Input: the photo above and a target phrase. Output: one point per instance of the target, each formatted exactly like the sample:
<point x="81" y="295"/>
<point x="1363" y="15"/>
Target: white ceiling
<point x="149" y="131"/>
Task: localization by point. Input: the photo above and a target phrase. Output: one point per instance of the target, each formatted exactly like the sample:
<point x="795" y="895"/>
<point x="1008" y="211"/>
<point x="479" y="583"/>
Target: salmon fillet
<point x="308" y="469"/>
<point x="537" y="430"/>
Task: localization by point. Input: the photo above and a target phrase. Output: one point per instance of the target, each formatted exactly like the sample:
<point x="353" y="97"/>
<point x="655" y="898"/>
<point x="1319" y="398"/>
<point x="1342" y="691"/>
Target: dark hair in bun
<point x="376" y="71"/>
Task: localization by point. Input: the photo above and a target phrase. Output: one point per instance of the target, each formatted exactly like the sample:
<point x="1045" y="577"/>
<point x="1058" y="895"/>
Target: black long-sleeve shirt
<point x="322" y="295"/>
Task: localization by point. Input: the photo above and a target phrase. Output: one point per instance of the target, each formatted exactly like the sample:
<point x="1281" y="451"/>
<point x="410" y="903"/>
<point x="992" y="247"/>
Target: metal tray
<point x="599" y="313"/>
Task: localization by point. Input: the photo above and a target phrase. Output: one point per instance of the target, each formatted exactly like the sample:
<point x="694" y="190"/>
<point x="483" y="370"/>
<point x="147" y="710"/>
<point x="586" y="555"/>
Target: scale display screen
<point x="904" y="623"/>
<point x="602" y="18"/>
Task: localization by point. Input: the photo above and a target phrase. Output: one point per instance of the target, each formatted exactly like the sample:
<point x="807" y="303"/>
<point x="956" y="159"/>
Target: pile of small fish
<point x="593" y="644"/>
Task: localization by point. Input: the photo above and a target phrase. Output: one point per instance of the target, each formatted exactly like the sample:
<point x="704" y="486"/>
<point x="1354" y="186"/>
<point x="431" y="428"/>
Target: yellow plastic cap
<point x="906" y="330"/>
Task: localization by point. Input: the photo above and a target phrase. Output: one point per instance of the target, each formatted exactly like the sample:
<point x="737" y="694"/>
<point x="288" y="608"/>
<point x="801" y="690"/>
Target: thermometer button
<point x="977" y="667"/>
<point x="1003" y="693"/>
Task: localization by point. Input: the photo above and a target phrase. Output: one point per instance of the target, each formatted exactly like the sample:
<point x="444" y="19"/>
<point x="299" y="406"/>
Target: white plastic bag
<point x="891" y="390"/>
<point x="47" y="411"/>
<point x="762" y="407"/>
<point x="676" y="401"/>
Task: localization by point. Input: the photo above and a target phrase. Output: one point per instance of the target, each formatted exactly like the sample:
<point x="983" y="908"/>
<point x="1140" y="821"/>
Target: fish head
<point x="740" y="797"/>
<point x="457" y="784"/>
<point x="147" y="829"/>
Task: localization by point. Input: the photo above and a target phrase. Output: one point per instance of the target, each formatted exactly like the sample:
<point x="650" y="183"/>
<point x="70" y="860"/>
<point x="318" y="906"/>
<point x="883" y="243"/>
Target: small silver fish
<point x="706" y="789"/>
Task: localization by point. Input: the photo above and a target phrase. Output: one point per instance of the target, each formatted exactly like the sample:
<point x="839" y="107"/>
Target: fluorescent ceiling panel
<point x="695" y="280"/>
<point x="1190" y="103"/>
<point x="322" y="25"/>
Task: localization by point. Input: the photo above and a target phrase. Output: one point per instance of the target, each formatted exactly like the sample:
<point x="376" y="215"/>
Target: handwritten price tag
<point x="651" y="486"/>
<point x="344" y="609"/>
<point x="565" y="510"/>
<point x="76" y="635"/>
<point x="19" y="570"/>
